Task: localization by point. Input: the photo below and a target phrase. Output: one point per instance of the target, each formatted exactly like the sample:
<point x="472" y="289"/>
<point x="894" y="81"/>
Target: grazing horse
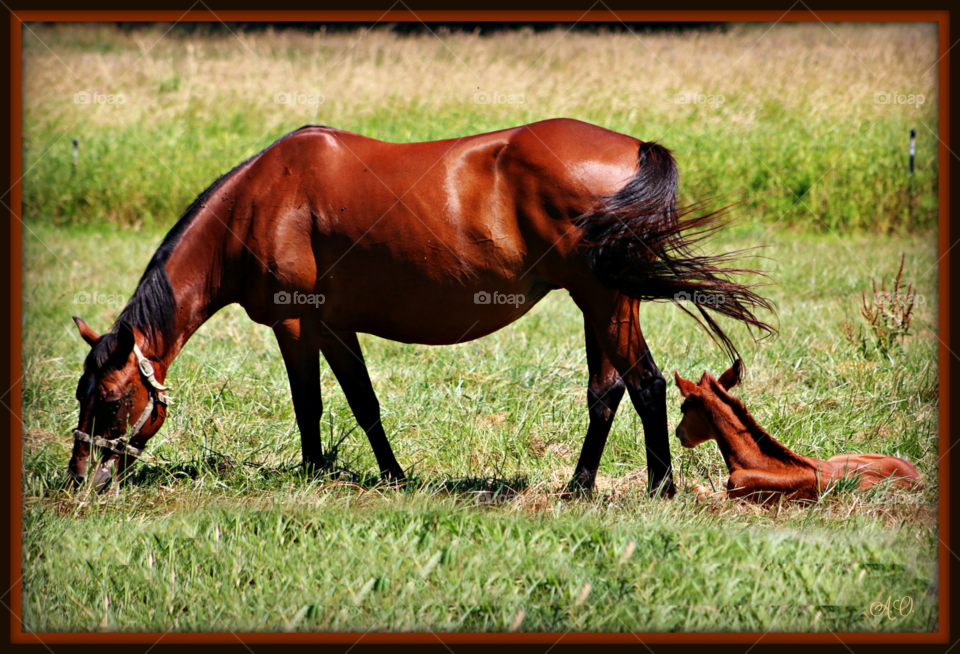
<point x="760" y="467"/>
<point x="327" y="233"/>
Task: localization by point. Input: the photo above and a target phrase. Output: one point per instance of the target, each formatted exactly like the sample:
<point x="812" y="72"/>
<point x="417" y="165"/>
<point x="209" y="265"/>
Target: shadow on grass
<point x="490" y="488"/>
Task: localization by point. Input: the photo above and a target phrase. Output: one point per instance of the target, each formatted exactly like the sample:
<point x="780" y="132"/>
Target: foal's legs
<point x="301" y="356"/>
<point x="604" y="392"/>
<point x="342" y="352"/>
<point x="616" y="324"/>
<point x="767" y="485"/>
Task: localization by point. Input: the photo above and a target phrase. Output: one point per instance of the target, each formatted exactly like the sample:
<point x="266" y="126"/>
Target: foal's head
<point x="703" y="403"/>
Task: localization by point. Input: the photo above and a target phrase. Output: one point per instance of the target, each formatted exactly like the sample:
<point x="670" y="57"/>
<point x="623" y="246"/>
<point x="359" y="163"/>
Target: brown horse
<point x="327" y="233"/>
<point x="760" y="467"/>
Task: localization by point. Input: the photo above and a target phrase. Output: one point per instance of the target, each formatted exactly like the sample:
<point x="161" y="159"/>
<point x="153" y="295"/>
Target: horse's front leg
<point x="615" y="321"/>
<point x="766" y="486"/>
<point x="301" y="356"/>
<point x="343" y="354"/>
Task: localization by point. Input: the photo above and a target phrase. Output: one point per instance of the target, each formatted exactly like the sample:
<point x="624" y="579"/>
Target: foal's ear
<point x="686" y="387"/>
<point x="731" y="377"/>
<point x="87" y="334"/>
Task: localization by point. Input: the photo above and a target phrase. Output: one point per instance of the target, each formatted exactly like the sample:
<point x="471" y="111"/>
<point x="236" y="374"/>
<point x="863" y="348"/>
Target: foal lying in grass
<point x="760" y="467"/>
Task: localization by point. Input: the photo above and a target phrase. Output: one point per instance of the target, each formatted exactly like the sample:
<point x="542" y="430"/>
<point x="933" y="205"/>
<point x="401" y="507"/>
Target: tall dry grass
<point x="798" y="134"/>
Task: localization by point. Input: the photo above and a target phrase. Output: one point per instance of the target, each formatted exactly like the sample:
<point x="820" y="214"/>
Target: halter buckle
<point x="146" y="368"/>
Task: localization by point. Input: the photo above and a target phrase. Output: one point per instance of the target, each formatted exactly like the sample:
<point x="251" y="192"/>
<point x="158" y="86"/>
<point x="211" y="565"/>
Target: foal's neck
<point x="740" y="446"/>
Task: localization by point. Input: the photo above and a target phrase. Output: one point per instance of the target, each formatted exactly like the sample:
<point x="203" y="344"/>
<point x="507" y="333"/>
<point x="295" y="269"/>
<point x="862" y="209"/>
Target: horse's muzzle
<point x="103" y="473"/>
<point x="74" y="479"/>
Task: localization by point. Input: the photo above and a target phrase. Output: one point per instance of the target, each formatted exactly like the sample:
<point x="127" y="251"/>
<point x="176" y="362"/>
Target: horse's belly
<point x="440" y="318"/>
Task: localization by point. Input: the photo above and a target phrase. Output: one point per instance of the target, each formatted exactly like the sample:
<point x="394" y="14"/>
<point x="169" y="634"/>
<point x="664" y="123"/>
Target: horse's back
<point x="872" y="468"/>
<point x="591" y="159"/>
<point x="420" y="229"/>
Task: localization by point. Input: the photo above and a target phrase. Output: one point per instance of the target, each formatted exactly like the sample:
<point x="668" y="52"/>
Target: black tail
<point x="640" y="244"/>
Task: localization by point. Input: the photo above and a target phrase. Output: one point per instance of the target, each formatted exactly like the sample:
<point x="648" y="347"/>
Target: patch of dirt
<point x="560" y="450"/>
<point x="38" y="437"/>
<point x="494" y="419"/>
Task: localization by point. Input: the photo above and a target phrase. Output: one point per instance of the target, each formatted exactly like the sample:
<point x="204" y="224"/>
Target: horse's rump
<point x="639" y="242"/>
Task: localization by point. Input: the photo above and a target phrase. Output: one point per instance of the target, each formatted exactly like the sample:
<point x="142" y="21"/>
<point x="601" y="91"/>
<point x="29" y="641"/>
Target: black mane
<point x="152" y="307"/>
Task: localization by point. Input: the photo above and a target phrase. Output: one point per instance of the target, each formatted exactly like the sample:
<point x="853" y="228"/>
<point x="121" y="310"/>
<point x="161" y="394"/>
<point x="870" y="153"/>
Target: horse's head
<point x="699" y="400"/>
<point x="122" y="402"/>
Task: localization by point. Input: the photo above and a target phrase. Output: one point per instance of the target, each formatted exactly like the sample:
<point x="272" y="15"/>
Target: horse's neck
<point x="741" y="452"/>
<point x="195" y="270"/>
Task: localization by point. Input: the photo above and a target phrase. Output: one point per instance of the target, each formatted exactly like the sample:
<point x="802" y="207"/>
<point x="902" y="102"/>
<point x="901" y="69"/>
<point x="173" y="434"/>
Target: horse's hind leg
<point x="604" y="392"/>
<point x="301" y="356"/>
<point x="616" y="323"/>
<point x="342" y="352"/>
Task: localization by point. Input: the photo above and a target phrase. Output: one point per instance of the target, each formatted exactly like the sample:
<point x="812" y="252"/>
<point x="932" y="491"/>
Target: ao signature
<point x="893" y="608"/>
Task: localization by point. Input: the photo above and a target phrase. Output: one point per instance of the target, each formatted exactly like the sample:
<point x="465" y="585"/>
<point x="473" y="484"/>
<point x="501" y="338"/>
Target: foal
<point x="760" y="467"/>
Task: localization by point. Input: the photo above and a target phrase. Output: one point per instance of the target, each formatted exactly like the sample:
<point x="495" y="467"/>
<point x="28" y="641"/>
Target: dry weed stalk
<point x="887" y="316"/>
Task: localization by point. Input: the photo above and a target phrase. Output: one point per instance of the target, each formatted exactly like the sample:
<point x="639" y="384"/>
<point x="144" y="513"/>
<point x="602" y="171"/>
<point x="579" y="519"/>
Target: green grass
<point x="218" y="529"/>
<point x="490" y="431"/>
<point x="350" y="562"/>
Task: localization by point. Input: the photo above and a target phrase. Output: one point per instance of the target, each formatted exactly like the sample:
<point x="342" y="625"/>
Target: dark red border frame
<point x="940" y="17"/>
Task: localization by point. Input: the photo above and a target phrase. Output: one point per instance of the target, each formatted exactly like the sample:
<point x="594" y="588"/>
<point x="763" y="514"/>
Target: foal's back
<point x="873" y="468"/>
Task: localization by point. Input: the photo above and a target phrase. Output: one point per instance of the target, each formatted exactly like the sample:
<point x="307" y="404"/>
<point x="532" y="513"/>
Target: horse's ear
<point x="125" y="340"/>
<point x="731" y="377"/>
<point x="686" y="387"/>
<point x="87" y="334"/>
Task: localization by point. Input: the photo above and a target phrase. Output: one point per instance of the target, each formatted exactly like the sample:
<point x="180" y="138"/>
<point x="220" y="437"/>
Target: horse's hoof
<point x="704" y="493"/>
<point x="312" y="467"/>
<point x="393" y="477"/>
<point x="577" y="490"/>
<point x="663" y="489"/>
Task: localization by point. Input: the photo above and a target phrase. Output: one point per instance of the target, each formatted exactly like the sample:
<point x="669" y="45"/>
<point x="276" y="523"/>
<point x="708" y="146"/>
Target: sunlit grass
<point x="489" y="431"/>
<point x="217" y="528"/>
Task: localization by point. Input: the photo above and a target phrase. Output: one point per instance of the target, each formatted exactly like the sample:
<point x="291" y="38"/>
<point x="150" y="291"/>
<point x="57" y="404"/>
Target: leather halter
<point x="121" y="445"/>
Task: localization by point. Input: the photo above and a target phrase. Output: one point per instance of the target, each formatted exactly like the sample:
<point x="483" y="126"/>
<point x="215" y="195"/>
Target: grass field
<point x="218" y="529"/>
